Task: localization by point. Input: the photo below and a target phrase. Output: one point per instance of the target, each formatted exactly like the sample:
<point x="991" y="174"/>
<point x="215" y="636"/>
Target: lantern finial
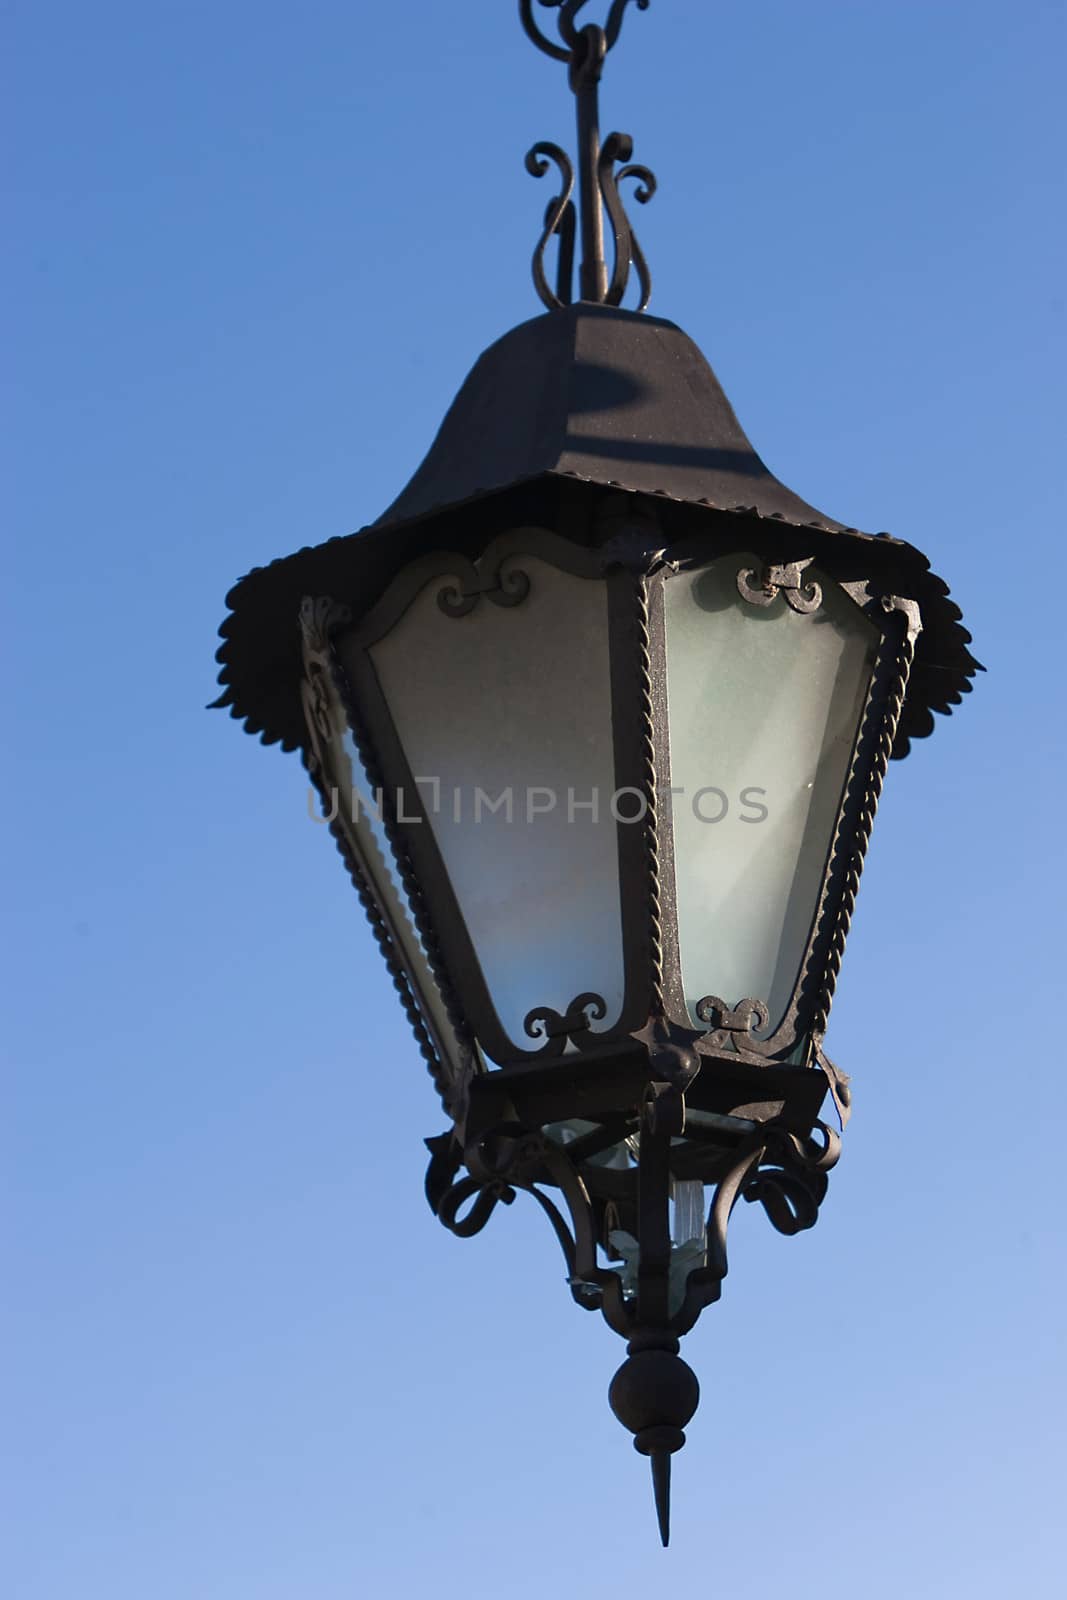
<point x="654" y="1394"/>
<point x="661" y="1488"/>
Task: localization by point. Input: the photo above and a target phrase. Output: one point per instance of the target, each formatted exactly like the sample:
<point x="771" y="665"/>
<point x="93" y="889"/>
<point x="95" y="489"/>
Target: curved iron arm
<point x="526" y="15"/>
<point x="568" y="10"/>
<point x="619" y="147"/>
<point x="787" y="1175"/>
<point x="509" y="1159"/>
<point x="559" y="220"/>
<point x="784" y="1172"/>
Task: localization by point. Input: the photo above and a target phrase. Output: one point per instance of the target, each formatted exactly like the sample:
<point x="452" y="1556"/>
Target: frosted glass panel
<point x="505" y="718"/>
<point x="355" y="806"/>
<point x="764" y="705"/>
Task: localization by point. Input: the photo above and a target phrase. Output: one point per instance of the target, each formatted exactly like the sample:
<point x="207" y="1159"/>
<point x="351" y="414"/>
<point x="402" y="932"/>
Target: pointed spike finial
<point x="654" y="1394"/>
<point x="661" y="1488"/>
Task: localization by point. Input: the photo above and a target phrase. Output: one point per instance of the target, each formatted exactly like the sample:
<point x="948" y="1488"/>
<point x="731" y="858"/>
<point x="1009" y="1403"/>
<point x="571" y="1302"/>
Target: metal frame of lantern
<point x="597" y="441"/>
<point x="555" y="1084"/>
<point x="637" y="652"/>
<point x="718" y="1104"/>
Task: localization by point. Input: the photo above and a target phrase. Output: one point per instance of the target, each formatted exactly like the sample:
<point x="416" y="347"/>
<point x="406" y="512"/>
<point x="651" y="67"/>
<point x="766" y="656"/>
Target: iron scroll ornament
<point x="784" y="1172"/>
<point x="560" y="1028"/>
<point x="568" y="30"/>
<point x="599" y="173"/>
<point x="503" y="588"/>
<point x="784" y="578"/>
<point x="560" y="221"/>
<point x="618" y="147"/>
<point x="730" y="1024"/>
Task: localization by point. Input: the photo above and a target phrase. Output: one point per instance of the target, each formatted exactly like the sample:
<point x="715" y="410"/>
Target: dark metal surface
<point x="560" y="415"/>
<point x="606" y="396"/>
<point x="600" y="440"/>
<point x="877" y="739"/>
<point x="650" y="708"/>
<point x="784" y="1172"/>
<point x="669" y="1086"/>
<point x="563" y="1028"/>
<point x="762" y="589"/>
<point x="584" y="50"/>
<point x="699" y="1100"/>
<point x="559" y="224"/>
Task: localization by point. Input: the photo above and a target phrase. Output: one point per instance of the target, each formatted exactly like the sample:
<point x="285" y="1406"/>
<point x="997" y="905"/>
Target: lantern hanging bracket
<point x="599" y="171"/>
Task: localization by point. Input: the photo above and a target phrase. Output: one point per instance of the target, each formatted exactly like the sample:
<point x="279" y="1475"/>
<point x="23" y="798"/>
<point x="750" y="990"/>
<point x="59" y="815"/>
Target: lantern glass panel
<point x="764" y="705"/>
<point x="356" y="809"/>
<point x="504" y="714"/>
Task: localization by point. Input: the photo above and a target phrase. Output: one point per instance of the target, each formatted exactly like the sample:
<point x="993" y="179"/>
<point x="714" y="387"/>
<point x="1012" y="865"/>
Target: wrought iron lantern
<point x="599" y="712"/>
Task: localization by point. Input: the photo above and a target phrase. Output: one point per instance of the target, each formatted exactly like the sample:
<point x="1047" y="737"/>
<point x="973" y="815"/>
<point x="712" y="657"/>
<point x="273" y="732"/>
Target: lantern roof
<point x="582" y="400"/>
<point x="607" y="396"/>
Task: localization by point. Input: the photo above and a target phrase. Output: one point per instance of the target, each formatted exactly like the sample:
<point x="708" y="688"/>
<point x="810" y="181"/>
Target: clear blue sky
<point x="254" y="249"/>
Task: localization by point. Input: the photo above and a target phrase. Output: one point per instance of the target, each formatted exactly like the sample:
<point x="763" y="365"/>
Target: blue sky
<point x="254" y="249"/>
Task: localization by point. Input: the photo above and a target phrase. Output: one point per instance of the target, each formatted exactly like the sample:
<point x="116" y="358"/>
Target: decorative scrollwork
<point x="508" y="1159"/>
<point x="568" y="30"/>
<point x="615" y="16"/>
<point x="731" y="1024"/>
<point x="557" y="1028"/>
<point x="526" y="13"/>
<point x="791" y="1180"/>
<point x="784" y="1172"/>
<point x="508" y="588"/>
<point x="787" y="579"/>
<point x="320" y="616"/>
<point x="486" y="1197"/>
<point x="619" y="147"/>
<point x="584" y="49"/>
<point x="559" y="221"/>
